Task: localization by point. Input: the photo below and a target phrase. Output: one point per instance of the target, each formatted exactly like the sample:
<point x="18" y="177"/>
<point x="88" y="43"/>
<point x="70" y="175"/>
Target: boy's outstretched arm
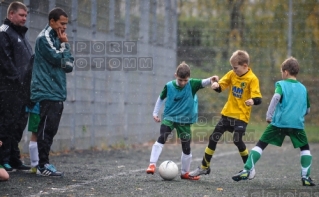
<point x="272" y="106"/>
<point x="157" y="107"/>
<point x="209" y="81"/>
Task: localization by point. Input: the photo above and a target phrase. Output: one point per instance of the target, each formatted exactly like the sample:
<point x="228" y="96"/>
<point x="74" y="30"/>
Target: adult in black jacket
<point x="15" y="70"/>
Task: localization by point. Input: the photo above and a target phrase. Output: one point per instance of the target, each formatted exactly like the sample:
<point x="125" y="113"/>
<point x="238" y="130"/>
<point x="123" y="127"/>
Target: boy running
<point x="243" y="94"/>
<point x="285" y="116"/>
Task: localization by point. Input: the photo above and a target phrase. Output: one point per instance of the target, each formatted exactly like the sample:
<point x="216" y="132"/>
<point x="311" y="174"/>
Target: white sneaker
<point x="252" y="174"/>
<point x="199" y="171"/>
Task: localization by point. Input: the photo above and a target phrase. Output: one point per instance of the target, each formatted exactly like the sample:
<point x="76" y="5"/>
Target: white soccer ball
<point x="168" y="170"/>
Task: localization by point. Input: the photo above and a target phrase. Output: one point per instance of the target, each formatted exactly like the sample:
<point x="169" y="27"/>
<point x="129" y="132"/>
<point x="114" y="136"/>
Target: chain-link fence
<point x="111" y="104"/>
<point x="125" y="52"/>
<point x="270" y="31"/>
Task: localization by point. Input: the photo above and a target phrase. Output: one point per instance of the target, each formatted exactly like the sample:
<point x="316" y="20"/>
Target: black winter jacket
<point x="15" y="56"/>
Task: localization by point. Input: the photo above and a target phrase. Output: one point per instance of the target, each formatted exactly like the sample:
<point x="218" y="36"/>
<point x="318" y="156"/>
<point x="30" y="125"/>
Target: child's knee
<point x="4" y="176"/>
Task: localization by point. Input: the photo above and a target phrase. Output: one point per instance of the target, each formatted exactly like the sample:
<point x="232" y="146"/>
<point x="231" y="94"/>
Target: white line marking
<point x="69" y="187"/>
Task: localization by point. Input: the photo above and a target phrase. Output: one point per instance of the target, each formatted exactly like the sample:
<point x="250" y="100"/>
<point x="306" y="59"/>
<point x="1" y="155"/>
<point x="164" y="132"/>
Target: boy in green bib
<point x="180" y="112"/>
<point x="285" y="116"/>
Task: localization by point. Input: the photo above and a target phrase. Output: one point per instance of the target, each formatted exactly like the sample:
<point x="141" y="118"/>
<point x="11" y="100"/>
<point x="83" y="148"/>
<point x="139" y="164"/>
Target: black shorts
<point x="231" y="125"/>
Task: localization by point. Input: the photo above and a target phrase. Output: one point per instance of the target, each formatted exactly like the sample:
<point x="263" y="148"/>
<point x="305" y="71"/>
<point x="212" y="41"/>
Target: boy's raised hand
<point x="0" y="143"/>
<point x="215" y="85"/>
<point x="214" y="78"/>
<point x="157" y="119"/>
<point x="214" y="82"/>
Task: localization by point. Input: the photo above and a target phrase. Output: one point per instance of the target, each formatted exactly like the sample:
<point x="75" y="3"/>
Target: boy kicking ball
<point x="181" y="110"/>
<point x="285" y="116"/>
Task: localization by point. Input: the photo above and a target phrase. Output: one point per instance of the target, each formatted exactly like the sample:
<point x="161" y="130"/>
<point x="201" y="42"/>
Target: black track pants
<point x="50" y="114"/>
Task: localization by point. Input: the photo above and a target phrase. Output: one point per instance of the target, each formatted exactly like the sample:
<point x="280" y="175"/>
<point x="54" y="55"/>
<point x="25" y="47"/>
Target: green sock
<point x="305" y="161"/>
<point x="253" y="157"/>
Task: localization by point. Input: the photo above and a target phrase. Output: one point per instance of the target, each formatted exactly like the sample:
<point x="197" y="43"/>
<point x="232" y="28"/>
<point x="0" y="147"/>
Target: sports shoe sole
<point x="42" y="175"/>
<point x="203" y="173"/>
<point x="192" y="178"/>
<point x="239" y="177"/>
<point x="149" y="172"/>
<point x="307" y="182"/>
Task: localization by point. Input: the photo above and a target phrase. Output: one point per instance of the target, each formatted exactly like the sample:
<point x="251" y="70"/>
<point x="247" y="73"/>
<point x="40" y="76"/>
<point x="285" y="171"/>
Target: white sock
<point x="156" y="152"/>
<point x="186" y="163"/>
<point x="34" y="155"/>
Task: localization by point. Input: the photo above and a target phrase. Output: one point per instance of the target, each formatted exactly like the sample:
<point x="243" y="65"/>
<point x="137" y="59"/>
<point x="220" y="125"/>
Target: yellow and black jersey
<point x="241" y="88"/>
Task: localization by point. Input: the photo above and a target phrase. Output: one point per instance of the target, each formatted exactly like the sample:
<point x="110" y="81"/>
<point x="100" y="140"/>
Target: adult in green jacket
<point x="53" y="59"/>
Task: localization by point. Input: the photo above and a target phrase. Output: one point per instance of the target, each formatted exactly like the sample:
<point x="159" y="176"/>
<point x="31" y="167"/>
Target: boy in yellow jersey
<point x="285" y="116"/>
<point x="244" y="92"/>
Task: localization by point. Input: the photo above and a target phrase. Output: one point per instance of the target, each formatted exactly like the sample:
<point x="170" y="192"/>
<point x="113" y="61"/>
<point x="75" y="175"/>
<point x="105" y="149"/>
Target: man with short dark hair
<point x="15" y="73"/>
<point x="52" y="61"/>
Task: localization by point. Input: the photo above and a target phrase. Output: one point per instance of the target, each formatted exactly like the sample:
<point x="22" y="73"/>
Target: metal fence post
<point x="289" y="29"/>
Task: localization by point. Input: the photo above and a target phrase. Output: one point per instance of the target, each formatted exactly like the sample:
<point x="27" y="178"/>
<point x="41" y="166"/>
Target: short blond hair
<point x="183" y="70"/>
<point x="241" y="57"/>
<point x="15" y="6"/>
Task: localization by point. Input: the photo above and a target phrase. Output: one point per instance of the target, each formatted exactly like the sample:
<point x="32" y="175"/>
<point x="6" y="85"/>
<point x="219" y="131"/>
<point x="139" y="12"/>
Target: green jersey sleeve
<point x="163" y="93"/>
<point x="196" y="84"/>
<point x="278" y="89"/>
